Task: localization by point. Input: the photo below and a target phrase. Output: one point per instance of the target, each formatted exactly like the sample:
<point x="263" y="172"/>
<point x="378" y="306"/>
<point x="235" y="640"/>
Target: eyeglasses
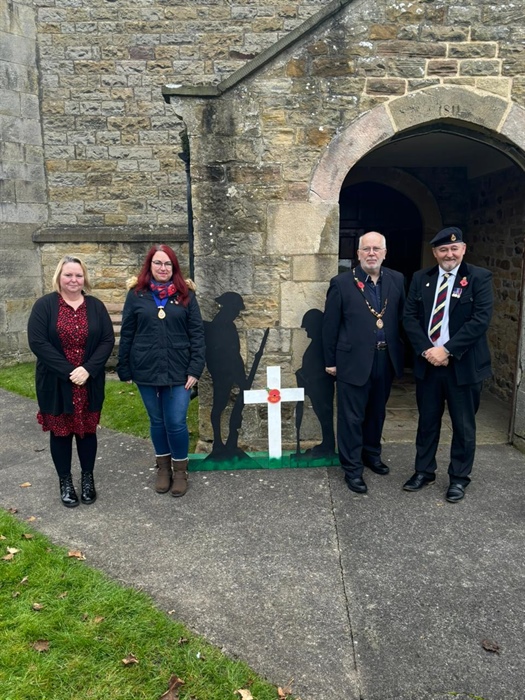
<point x="159" y="263"/>
<point x="368" y="249"/>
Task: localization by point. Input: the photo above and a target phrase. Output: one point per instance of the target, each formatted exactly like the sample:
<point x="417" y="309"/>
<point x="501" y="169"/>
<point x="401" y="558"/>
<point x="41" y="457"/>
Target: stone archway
<point x="463" y="106"/>
<point x="488" y="118"/>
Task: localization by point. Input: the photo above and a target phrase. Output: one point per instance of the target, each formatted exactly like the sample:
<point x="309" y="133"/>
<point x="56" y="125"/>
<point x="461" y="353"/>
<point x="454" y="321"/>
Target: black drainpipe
<point x="184" y="155"/>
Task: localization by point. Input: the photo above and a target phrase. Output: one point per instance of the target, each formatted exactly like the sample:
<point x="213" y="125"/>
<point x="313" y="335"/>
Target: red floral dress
<point x="72" y="329"/>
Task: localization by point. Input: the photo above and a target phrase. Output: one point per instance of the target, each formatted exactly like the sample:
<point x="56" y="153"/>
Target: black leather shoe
<point x="88" y="495"/>
<point x="68" y="494"/>
<point x="455" y="492"/>
<point x="357" y="485"/>
<point x="378" y="468"/>
<point x="418" y="480"/>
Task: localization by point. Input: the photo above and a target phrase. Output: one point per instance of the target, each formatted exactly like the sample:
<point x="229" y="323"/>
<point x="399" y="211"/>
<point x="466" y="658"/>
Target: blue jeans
<point x="167" y="408"/>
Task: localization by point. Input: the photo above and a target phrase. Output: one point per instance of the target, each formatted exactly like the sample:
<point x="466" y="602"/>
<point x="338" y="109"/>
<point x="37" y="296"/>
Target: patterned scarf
<point x="162" y="289"/>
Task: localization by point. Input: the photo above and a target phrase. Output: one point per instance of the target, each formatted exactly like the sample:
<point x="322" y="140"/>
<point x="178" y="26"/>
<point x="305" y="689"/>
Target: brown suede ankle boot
<point x="179" y="485"/>
<point x="163" y="480"/>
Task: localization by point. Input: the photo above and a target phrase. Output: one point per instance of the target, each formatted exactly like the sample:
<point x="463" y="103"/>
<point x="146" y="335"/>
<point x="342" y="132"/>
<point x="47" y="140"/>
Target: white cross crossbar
<point x="265" y="396"/>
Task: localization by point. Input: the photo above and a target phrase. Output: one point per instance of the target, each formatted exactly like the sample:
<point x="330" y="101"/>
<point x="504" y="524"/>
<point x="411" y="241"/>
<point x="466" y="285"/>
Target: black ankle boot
<point x="88" y="495"/>
<point x="67" y="492"/>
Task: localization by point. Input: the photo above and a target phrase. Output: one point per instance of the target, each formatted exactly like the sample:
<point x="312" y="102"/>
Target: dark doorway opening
<point x="371" y="206"/>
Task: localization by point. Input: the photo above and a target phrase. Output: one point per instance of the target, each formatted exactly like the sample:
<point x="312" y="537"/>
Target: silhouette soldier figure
<point x="318" y="385"/>
<point x="223" y="358"/>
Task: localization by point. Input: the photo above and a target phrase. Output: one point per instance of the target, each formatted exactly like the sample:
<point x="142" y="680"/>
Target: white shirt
<point x="444" y="333"/>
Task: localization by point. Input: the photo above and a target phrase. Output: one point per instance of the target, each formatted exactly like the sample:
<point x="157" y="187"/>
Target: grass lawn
<point x="123" y="408"/>
<point x="65" y="630"/>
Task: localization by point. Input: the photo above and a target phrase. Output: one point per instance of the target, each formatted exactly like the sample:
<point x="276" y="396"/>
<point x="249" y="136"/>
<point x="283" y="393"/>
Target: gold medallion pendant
<point x="162" y="313"/>
<point x="379" y="323"/>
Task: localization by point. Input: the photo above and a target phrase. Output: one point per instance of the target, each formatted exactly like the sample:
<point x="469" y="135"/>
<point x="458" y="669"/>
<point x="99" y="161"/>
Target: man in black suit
<point x="447" y="315"/>
<point x="363" y="350"/>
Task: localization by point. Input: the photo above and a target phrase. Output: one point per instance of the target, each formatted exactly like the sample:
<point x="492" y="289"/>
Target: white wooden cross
<point x="272" y="397"/>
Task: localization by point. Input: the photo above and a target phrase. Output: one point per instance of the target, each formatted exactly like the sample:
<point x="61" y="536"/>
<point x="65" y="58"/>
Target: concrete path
<point x="383" y="597"/>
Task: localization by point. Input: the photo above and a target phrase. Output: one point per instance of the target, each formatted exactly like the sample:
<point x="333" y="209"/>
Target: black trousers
<point x="361" y="412"/>
<point x="440" y="386"/>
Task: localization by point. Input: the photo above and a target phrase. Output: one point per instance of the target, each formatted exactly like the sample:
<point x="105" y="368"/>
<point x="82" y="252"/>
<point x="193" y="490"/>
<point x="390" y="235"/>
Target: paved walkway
<point x="383" y="597"/>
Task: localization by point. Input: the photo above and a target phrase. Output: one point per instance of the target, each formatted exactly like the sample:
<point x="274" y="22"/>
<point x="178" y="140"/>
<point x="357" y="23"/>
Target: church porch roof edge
<point x="259" y="61"/>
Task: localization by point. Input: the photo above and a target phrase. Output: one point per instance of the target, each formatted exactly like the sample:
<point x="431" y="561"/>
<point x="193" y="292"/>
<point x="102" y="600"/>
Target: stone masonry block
<point x="498" y="86"/>
<point x="297" y="228"/>
<point x="299" y="297"/>
<point x="312" y="268"/>
<point x="473" y="50"/>
<point x="480" y="67"/>
<point x="447" y="102"/>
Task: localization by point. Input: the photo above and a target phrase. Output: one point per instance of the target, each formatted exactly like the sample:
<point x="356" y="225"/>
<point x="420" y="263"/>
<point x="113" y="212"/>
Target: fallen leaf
<point x="171" y="612"/>
<point x="25" y="485"/>
<point x="490" y="646"/>
<point x="15" y="594"/>
<point x="183" y="640"/>
<point x="12" y="510"/>
<point x="62" y="595"/>
<point x="41" y="645"/>
<point x="12" y="550"/>
<point x="76" y="554"/>
<point x="27" y="536"/>
<point x="285" y="692"/>
<point x="38" y="606"/>
<point x="174" y="684"/>
<point x="281" y="693"/>
<point x="130" y="659"/>
<point x="24" y="580"/>
<point x="245" y="694"/>
<point x="97" y="620"/>
<point x="3" y="537"/>
<point x="31" y="519"/>
<point x="8" y="557"/>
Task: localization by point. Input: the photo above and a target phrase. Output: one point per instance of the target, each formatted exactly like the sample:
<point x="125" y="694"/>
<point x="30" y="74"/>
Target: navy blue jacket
<point x="350" y="330"/>
<point x="54" y="389"/>
<point x="160" y="352"/>
<point x="469" y="319"/>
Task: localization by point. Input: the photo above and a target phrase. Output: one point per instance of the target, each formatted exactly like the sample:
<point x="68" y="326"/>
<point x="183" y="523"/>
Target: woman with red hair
<point x="162" y="350"/>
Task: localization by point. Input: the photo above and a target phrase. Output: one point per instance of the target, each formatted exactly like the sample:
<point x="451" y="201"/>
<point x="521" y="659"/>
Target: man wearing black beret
<point x="447" y="314"/>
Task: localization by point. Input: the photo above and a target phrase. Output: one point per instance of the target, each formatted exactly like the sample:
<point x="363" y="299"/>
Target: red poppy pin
<point x="463" y="282"/>
<point x="274" y="395"/>
<point x="360" y="285"/>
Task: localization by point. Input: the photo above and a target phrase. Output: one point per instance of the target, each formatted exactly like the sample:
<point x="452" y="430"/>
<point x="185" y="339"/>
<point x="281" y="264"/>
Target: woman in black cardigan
<point x="72" y="337"/>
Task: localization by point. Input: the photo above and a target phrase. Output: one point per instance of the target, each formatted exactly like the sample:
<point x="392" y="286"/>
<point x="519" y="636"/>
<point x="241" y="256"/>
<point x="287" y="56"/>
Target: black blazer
<point x="469" y="318"/>
<point x="54" y="389"/>
<point x="350" y="331"/>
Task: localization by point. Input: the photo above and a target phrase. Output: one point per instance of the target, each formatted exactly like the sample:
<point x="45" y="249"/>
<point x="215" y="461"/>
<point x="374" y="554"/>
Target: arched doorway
<point x="474" y="168"/>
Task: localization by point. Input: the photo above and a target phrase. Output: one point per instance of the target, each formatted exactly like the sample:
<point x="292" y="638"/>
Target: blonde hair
<point x="71" y="259"/>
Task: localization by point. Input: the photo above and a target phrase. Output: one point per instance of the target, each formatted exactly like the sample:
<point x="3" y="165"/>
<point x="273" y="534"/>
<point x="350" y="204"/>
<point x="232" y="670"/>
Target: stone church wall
<point x="23" y="202"/>
<point x="497" y="212"/>
<point x="116" y="181"/>
<point x="258" y="219"/>
<point x="112" y="144"/>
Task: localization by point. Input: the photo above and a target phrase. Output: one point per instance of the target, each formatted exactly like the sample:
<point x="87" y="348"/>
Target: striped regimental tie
<point x="439" y="309"/>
